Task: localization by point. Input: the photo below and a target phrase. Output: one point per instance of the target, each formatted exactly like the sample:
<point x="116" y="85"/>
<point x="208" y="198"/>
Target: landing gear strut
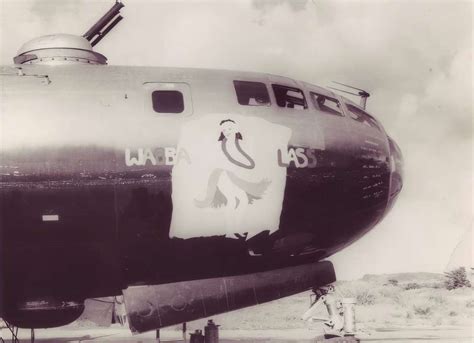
<point x="341" y="320"/>
<point x="14" y="332"/>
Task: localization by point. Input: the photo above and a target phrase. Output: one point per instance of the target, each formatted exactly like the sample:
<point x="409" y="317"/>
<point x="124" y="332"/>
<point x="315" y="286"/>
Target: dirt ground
<point x="120" y="334"/>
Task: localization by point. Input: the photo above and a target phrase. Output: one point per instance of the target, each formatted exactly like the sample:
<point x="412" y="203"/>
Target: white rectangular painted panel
<point x="50" y="217"/>
<point x="227" y="178"/>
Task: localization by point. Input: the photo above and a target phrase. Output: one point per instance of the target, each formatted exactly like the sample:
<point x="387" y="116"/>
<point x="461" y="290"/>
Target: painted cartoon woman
<point x="224" y="187"/>
<point x="229" y="138"/>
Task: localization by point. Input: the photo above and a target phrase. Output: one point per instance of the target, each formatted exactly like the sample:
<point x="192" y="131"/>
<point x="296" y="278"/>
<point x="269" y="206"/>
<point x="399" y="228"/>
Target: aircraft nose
<point x="396" y="168"/>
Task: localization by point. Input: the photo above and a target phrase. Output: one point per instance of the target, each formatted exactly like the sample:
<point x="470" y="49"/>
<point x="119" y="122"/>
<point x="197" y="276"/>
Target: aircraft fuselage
<point x="119" y="176"/>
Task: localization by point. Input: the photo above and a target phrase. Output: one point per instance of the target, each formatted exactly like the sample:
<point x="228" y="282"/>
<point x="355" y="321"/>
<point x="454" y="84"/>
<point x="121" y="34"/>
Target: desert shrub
<point x="390" y="293"/>
<point x="453" y="313"/>
<point x="365" y="297"/>
<point x="422" y="310"/>
<point x="393" y="282"/>
<point x="361" y="291"/>
<point x="412" y="285"/>
<point x="456" y="278"/>
<point x="438" y="299"/>
<point x="470" y="304"/>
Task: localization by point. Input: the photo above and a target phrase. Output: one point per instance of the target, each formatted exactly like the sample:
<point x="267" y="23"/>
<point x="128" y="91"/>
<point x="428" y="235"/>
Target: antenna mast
<point x="362" y="93"/>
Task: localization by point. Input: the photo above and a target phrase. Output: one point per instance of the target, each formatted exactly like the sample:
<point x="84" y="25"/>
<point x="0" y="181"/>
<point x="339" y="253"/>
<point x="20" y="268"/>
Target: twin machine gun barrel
<point x="105" y="24"/>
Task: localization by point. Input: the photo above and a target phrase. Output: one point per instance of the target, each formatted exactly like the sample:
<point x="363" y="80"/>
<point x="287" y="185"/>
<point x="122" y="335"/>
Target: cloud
<point x="432" y="122"/>
<point x="267" y="5"/>
<point x="48" y="10"/>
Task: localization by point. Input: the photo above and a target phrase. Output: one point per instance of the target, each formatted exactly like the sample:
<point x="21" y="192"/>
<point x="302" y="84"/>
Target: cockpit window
<point x="289" y="97"/>
<point x="362" y="117"/>
<point x="326" y="104"/>
<point x="168" y="101"/>
<point x="252" y="93"/>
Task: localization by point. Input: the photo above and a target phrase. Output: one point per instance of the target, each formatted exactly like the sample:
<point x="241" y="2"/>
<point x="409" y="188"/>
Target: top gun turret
<point x="60" y="49"/>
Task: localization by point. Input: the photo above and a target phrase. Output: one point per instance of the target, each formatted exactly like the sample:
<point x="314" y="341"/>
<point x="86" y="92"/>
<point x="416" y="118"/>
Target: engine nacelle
<point x="43" y="313"/>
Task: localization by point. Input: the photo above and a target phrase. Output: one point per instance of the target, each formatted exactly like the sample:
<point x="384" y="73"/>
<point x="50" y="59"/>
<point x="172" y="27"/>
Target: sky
<point x="414" y="57"/>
